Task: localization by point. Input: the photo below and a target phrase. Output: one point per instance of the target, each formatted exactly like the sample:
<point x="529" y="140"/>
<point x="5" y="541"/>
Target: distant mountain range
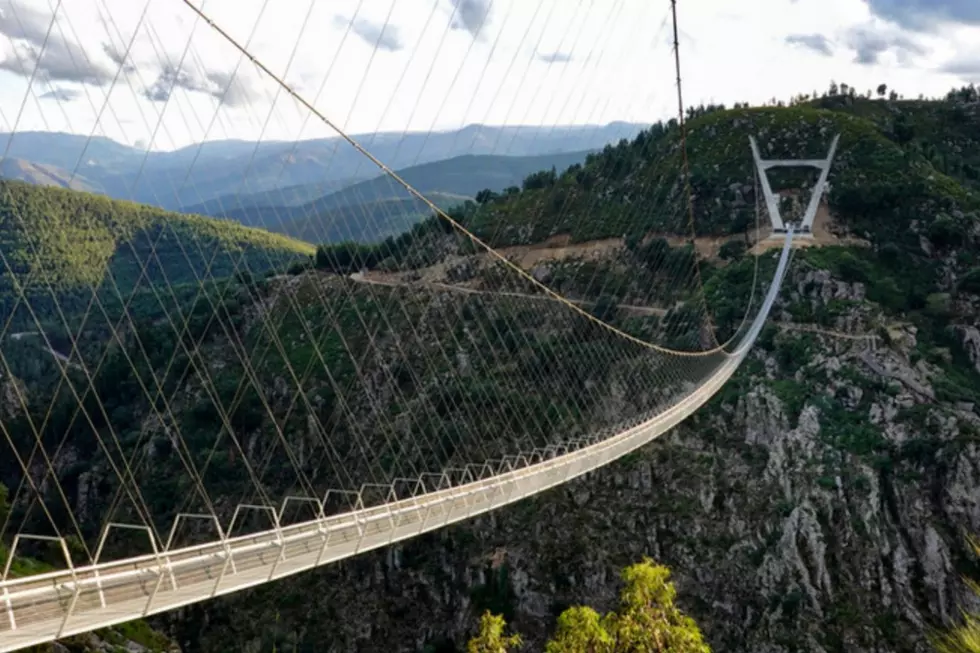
<point x="374" y="209"/>
<point x="195" y="175"/>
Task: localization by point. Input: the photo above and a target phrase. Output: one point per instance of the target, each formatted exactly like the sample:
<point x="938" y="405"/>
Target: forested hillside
<point x="820" y="503"/>
<point x="59" y="245"/>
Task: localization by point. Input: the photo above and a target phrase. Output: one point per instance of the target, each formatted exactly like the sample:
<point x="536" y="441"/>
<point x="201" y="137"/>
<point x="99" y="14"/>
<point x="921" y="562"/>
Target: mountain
<point x="375" y="209"/>
<point x="227" y="167"/>
<point x="462" y="175"/>
<point x="41" y="174"/>
<point x="288" y="196"/>
<point x="819" y="503"/>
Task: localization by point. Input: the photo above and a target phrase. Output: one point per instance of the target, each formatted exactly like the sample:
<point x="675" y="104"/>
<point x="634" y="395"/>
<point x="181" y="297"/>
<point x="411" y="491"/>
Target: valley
<point x="820" y="502"/>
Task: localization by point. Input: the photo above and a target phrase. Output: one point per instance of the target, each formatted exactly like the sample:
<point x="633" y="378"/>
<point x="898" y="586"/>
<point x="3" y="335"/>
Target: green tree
<point x="580" y="629"/>
<point x="648" y="621"/>
<point x="491" y="638"/>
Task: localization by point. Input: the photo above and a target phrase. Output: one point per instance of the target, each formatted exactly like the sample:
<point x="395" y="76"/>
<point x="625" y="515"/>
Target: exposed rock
<point x="970" y="339"/>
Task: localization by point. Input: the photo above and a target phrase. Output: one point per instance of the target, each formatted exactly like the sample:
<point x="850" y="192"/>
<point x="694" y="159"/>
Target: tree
<point x="491" y="638"/>
<point x="541" y="179"/>
<point x="647" y="622"/>
<point x="580" y="629"/>
<point x="484" y="196"/>
<point x="882" y="89"/>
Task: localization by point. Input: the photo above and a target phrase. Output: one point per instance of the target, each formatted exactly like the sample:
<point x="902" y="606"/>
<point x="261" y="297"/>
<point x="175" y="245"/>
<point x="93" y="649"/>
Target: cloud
<point x="553" y="57"/>
<point x="33" y="46"/>
<point x="232" y="91"/>
<point x="61" y="94"/>
<point x="118" y="58"/>
<point x="967" y="68"/>
<point x="869" y="44"/>
<point x="815" y="42"/>
<point x="471" y="15"/>
<point x="384" y="37"/>
<point x="926" y="15"/>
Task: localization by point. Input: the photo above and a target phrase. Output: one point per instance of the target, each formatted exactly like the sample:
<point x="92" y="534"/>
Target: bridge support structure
<point x="805" y="228"/>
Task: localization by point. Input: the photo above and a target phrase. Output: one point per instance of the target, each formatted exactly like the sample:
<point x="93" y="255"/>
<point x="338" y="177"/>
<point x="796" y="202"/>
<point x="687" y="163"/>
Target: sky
<point x="154" y="74"/>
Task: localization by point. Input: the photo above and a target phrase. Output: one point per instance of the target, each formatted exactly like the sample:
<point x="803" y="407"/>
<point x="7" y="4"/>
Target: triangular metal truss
<point x="805" y="228"/>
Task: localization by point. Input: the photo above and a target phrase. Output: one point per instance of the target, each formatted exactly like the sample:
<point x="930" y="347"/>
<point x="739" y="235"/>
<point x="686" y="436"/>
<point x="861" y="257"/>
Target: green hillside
<point x="62" y="240"/>
<point x="872" y="173"/>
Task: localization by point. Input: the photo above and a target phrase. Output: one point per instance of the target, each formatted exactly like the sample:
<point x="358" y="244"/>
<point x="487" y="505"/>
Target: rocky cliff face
<point x="820" y="503"/>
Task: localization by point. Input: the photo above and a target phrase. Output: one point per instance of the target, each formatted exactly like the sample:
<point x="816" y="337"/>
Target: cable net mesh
<point x="333" y="336"/>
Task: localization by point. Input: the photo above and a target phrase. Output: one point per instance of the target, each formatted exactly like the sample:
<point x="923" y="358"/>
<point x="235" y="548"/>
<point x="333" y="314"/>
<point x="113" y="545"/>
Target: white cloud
<point x="445" y="63"/>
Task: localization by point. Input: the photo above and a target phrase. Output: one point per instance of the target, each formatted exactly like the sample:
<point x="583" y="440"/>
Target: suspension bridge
<point x="238" y="420"/>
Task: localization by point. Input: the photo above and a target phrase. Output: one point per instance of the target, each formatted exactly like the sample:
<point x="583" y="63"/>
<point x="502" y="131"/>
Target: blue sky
<point x="148" y="72"/>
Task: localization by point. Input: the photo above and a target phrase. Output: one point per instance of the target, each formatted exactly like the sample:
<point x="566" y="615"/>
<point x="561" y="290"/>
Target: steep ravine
<point x="820" y="503"/>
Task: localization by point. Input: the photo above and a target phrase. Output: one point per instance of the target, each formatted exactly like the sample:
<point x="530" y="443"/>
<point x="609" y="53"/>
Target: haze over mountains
<point x="207" y="177"/>
<point x="374" y="209"/>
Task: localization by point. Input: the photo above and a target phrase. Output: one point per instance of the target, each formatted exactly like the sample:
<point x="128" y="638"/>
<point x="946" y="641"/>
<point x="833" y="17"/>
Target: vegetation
<point x="59" y="247"/>
<point x="965" y="638"/>
<point x="491" y="638"/>
<point x="647" y="622"/>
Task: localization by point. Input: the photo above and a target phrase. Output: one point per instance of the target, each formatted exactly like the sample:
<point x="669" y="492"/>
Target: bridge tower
<point x="805" y="228"/>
